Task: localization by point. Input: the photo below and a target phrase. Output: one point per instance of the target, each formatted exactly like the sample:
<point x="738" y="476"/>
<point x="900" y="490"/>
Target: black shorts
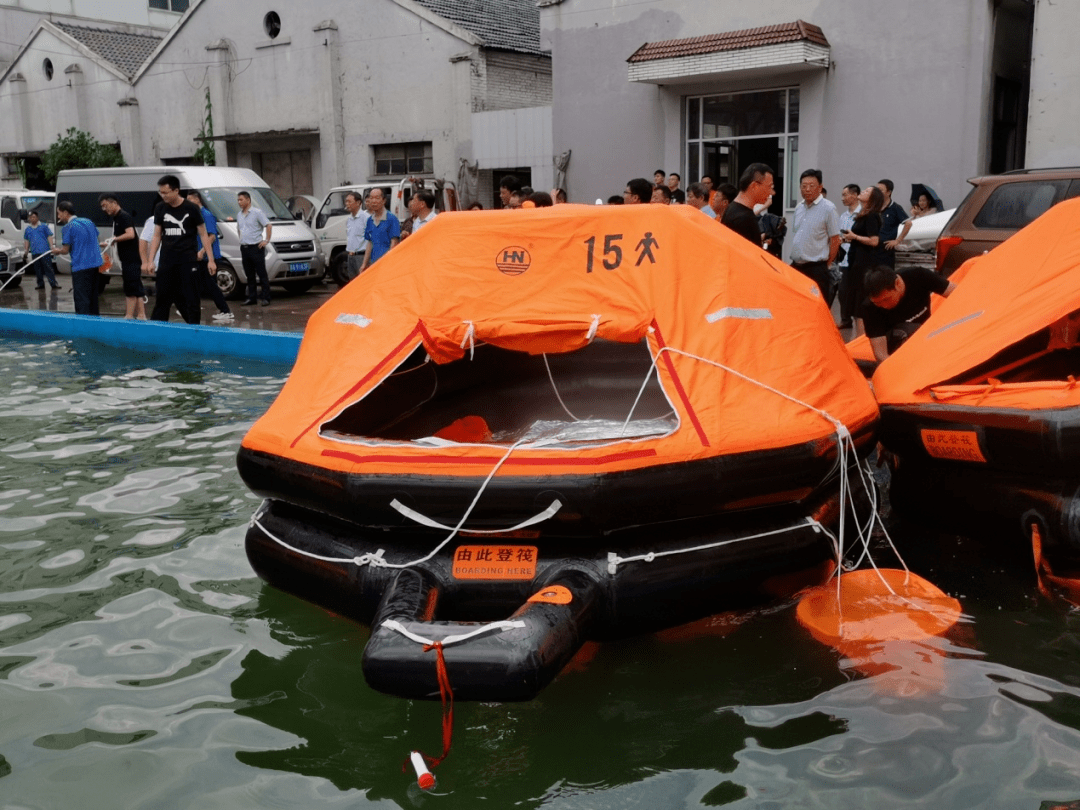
<point x="131" y="273"/>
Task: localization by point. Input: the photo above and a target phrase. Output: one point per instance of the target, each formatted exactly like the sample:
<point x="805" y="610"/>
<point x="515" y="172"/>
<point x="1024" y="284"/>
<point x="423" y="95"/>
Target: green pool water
<point x="143" y="665"/>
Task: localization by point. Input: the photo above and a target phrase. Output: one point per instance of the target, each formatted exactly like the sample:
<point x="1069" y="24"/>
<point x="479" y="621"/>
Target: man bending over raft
<point x="897" y="304"/>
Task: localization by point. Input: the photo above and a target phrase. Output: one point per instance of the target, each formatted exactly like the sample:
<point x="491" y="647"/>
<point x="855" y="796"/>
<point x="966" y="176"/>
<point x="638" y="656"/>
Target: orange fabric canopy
<point x="553" y="279"/>
<point x="1022" y="286"/>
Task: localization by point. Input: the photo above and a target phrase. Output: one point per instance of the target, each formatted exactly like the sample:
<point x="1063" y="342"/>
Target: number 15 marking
<point x="610" y="249"/>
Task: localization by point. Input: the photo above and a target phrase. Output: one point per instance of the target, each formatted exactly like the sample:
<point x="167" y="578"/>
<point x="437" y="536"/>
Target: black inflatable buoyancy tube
<point x="959" y="497"/>
<point x="506" y="664"/>
<point x="609" y="599"/>
<point x="1044" y="442"/>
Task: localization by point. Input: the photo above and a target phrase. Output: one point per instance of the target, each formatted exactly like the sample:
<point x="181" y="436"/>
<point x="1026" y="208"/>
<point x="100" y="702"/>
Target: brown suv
<point x="997" y="207"/>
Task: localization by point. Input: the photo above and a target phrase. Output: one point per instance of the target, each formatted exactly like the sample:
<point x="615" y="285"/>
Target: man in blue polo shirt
<point x="383" y="231"/>
<point x="81" y="242"/>
<point x="39" y="240"/>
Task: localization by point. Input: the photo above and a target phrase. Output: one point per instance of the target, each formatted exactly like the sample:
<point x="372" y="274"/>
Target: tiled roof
<point x="511" y="25"/>
<point x="731" y="41"/>
<point x="125" y="50"/>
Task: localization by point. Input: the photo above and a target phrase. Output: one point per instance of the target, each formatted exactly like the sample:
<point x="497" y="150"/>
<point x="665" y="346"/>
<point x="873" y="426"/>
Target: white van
<point x="327" y="219"/>
<point x="293" y="258"/>
<point x="15" y="207"/>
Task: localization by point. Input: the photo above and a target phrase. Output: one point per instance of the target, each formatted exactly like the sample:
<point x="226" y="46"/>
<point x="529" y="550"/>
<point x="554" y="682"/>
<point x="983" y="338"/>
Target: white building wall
<point x="1053" y="138"/>
<point x="903" y="99"/>
<point x="81" y="94"/>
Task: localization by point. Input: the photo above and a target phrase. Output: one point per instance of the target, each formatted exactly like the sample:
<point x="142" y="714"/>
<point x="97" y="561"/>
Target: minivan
<point x="997" y="207"/>
<point x="293" y="258"/>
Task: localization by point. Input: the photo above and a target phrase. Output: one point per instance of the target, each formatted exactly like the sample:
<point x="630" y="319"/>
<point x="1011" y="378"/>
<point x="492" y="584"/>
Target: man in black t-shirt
<point x="897" y="304"/>
<point x="177" y="224"/>
<point x="755" y="187"/>
<point x="127" y="251"/>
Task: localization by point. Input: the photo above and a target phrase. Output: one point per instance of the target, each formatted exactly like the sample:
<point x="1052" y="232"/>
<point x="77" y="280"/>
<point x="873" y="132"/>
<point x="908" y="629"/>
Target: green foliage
<point x="78" y="150"/>
<point x="205" y="153"/>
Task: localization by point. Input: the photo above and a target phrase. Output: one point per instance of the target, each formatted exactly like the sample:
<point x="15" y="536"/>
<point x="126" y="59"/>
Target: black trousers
<point x="178" y="284"/>
<point x="208" y="286"/>
<point x="818" y="272"/>
<point x="84" y="290"/>
<point x="253" y="258"/>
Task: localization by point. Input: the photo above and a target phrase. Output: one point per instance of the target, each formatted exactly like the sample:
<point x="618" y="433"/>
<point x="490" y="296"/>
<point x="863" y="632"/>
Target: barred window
<point x="403" y="158"/>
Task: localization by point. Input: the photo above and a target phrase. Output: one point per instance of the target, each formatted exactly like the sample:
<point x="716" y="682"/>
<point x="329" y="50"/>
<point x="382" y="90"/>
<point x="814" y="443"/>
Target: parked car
<point x="294" y="258"/>
<point x="11" y="259"/>
<point x="997" y="207"/>
<point x="328" y="218"/>
<point x="15" y="207"/>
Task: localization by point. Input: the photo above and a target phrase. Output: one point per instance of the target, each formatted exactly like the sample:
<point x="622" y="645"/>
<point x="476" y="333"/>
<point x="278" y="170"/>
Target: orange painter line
<point x="489" y="460"/>
<point x="360" y="384"/>
<point x="679" y="387"/>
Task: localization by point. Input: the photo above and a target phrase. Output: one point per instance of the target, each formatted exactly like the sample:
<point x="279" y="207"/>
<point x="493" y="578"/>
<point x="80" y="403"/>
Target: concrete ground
<point x="287" y="312"/>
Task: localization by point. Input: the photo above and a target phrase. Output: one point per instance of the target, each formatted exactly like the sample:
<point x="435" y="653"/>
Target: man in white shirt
<point x="250" y="222"/>
<point x="423" y="204"/>
<point x="815" y="233"/>
<point x="355" y="246"/>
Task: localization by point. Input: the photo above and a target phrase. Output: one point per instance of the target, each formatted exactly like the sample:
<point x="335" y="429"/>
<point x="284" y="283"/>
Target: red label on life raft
<point x="495" y="562"/>
<point x="955" y="445"/>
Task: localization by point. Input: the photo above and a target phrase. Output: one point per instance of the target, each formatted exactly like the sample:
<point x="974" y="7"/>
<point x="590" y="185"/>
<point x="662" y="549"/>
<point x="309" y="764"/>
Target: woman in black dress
<point x="865" y="248"/>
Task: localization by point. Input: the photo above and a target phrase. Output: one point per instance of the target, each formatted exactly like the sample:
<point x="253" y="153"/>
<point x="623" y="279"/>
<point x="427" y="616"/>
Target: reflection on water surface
<point x="142" y="665"/>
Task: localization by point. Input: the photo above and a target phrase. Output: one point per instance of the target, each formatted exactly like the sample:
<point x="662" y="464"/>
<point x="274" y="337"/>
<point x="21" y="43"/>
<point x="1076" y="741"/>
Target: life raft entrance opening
<point x="502" y="396"/>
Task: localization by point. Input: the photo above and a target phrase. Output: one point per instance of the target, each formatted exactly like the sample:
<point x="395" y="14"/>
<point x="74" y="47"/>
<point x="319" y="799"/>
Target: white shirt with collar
<point x="354" y="231"/>
<point x="424" y="221"/>
<point x="813" y="225"/>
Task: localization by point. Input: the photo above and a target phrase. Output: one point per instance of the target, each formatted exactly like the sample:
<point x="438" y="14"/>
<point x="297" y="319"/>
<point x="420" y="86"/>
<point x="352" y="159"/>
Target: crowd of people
<point x="851" y="254"/>
<point x="178" y="245"/>
<point x="848" y="254"/>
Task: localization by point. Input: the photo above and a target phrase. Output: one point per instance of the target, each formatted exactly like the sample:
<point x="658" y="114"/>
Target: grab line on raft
<point x="845" y="442"/>
<point x="614" y="560"/>
<point x="395" y="625"/>
<point x="424" y="520"/>
<point x="376" y="559"/>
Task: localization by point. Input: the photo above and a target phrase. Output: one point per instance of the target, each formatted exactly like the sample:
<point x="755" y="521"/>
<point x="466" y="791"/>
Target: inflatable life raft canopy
<point x="744" y="349"/>
<point x="1007" y="337"/>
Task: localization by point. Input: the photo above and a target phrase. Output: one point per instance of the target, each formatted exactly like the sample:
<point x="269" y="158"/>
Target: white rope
<point x="374" y="559"/>
<point x="556" y="390"/>
<point x="614" y="560"/>
<point x="593" y="328"/>
<point x="424" y="520"/>
<point x="470" y="338"/>
<point x="394" y="624"/>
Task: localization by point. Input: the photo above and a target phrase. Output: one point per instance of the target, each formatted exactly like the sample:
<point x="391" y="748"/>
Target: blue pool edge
<point x="168" y="338"/>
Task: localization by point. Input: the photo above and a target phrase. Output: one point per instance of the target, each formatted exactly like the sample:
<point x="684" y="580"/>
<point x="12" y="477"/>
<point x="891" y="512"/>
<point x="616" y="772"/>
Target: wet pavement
<point x="288" y="312"/>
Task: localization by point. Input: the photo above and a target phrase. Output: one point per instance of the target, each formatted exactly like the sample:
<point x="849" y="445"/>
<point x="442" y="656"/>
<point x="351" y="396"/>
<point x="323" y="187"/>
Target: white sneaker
<point x="224" y="316"/>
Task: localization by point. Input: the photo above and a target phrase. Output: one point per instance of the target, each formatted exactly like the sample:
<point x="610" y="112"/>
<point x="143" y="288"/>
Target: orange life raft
<point x="982" y="403"/>
<point x="629" y="404"/>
